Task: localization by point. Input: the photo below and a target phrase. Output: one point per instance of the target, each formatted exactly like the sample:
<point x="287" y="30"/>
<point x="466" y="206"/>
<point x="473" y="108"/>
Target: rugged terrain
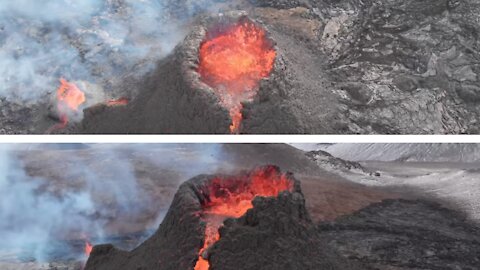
<point x="401" y="234"/>
<point x="406" y="152"/>
<point x="369" y="67"/>
<point x="445" y="172"/>
<point x="379" y="214"/>
<point x="283" y="233"/>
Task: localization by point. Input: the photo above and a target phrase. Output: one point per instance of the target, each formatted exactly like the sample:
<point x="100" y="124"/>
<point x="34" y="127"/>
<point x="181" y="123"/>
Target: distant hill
<point x="427" y="152"/>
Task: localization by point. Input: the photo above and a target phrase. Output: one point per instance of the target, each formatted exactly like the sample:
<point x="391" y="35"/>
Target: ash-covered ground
<point x="378" y="215"/>
<point x="369" y="67"/>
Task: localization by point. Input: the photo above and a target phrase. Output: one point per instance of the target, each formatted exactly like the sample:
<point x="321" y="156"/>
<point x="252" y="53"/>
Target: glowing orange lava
<point x="88" y="248"/>
<point x="69" y="96"/>
<point x="69" y="99"/>
<point x="211" y="236"/>
<point x="233" y="62"/>
<point x="231" y="198"/>
<point x="117" y="102"/>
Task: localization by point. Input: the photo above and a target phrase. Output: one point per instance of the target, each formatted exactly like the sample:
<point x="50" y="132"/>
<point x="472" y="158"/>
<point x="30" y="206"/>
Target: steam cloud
<point x="35" y="214"/>
<point x="28" y="219"/>
<point x="88" y="40"/>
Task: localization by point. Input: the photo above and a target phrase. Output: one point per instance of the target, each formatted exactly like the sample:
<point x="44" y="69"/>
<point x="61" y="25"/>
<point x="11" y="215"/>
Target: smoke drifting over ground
<point x="89" y="41"/>
<point x="31" y="217"/>
<point x="53" y="200"/>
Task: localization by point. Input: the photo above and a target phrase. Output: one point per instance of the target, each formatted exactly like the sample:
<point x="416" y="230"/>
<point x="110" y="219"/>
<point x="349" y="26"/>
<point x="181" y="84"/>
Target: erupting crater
<point x="232" y="60"/>
<point x="226" y="76"/>
<point x="251" y="220"/>
<point x="232" y="198"/>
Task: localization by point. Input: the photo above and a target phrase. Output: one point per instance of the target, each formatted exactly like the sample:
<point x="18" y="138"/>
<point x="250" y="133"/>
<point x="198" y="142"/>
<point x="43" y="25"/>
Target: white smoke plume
<point x="31" y="218"/>
<point x="38" y="215"/>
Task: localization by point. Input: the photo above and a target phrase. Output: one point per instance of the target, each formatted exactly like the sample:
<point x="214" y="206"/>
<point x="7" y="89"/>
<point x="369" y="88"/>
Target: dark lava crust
<point x="406" y="235"/>
<point x="277" y="233"/>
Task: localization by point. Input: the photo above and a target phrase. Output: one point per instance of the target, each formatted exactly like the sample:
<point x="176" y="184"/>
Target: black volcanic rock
<point x="405" y="66"/>
<point x="401" y="234"/>
<point x="277" y="233"/>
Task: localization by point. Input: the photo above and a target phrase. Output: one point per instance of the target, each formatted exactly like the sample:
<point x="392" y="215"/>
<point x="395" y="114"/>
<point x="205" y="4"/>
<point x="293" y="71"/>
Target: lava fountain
<point x="232" y="198"/>
<point x="233" y="61"/>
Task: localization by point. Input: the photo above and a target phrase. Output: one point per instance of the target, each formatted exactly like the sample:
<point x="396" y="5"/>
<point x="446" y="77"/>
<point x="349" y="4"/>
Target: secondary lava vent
<point x="252" y="220"/>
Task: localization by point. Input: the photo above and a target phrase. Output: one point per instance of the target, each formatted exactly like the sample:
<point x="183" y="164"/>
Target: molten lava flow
<point x="69" y="99"/>
<point x="117" y="102"/>
<point x="88" y="248"/>
<point x="231" y="198"/>
<point x="211" y="236"/>
<point x="233" y="63"/>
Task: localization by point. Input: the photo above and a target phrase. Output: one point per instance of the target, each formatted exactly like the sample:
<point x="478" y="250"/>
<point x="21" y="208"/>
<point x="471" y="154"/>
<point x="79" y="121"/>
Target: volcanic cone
<point x="226" y="66"/>
<point x="252" y="220"/>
